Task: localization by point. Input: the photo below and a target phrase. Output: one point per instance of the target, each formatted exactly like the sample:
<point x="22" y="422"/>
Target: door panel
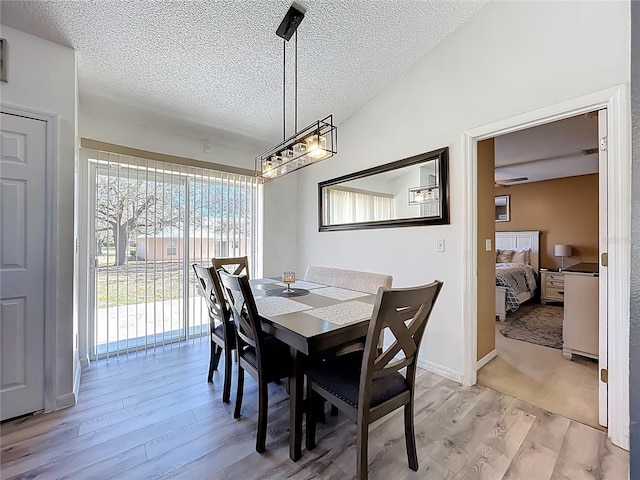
<point x="22" y="264"/>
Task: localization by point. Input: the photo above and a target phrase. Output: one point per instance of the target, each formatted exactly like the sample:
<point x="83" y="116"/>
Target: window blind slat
<point x="158" y="219"/>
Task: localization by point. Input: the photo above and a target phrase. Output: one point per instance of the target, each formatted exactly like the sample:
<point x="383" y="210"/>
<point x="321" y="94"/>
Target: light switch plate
<point x="440" y="245"/>
<point x="487" y="244"/>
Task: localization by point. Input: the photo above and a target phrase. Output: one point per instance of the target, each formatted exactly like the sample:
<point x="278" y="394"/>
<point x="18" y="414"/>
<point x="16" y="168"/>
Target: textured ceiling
<point x="219" y="63"/>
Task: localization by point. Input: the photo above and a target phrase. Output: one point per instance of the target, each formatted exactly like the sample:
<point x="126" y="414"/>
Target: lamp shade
<point x="562" y="251"/>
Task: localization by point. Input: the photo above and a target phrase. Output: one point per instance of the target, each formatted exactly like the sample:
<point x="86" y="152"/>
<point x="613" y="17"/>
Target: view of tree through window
<point x="151" y="222"/>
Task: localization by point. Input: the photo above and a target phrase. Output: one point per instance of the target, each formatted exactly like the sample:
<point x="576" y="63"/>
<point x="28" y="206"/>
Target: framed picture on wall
<point x="503" y="208"/>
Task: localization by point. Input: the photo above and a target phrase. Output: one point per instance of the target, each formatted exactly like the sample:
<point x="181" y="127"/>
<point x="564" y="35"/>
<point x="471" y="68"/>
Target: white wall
<point x="511" y="58"/>
<point x="42" y="78"/>
<point x="281" y="213"/>
<point x="146" y="137"/>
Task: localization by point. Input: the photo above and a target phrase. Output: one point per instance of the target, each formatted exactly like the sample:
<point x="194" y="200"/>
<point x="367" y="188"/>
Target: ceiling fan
<point x="505" y="183"/>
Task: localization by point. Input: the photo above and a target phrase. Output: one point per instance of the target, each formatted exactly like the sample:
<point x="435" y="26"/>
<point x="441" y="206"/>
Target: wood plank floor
<point x="155" y="416"/>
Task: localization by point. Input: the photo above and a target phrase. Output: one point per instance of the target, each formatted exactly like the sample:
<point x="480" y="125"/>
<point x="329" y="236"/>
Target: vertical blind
<point x="151" y="221"/>
<point x="346" y="206"/>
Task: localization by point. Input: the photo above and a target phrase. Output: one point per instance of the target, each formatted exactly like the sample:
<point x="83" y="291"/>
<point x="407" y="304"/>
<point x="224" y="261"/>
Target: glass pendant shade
<point x="316" y="146"/>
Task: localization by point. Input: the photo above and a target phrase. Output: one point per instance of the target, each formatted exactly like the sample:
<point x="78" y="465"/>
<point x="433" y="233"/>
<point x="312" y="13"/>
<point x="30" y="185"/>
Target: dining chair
<point x="263" y="356"/>
<point x="221" y="328"/>
<point x="368" y="385"/>
<point x="232" y="265"/>
<point x="367" y="282"/>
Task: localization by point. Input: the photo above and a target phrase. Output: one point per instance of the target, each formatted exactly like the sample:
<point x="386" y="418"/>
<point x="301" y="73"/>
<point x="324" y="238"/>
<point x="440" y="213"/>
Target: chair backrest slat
<point x="209" y="287"/>
<point x="405" y="313"/>
<point x="232" y="265"/>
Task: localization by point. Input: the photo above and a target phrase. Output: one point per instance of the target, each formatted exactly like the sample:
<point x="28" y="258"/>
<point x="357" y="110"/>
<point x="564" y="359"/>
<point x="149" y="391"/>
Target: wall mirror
<point x="503" y="208"/>
<point x="408" y="192"/>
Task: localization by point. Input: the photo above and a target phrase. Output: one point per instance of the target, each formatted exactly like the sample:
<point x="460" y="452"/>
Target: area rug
<point x="541" y="325"/>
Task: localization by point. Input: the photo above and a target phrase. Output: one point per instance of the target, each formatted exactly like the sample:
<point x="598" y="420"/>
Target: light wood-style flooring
<point x="155" y="416"/>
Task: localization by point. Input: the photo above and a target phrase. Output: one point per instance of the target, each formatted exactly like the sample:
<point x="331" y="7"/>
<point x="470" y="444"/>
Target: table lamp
<point x="562" y="251"/>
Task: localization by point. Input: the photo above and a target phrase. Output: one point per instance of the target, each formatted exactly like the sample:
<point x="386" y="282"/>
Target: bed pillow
<point x="504" y="256"/>
<point x="521" y="256"/>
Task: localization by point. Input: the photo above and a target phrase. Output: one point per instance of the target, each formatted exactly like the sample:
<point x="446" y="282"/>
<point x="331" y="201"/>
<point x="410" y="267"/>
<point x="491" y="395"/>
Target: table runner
<point x="343" y="313"/>
<point x="273" y="306"/>
<point x="339" y="293"/>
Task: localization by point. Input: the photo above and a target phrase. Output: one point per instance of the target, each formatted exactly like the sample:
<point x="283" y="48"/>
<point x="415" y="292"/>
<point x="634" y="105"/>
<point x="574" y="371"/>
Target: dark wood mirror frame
<point x="440" y="155"/>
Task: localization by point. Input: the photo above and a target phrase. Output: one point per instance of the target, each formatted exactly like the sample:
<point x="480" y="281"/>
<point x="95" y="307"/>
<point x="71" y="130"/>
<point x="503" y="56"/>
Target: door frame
<point x="616" y="101"/>
<point x="50" y="269"/>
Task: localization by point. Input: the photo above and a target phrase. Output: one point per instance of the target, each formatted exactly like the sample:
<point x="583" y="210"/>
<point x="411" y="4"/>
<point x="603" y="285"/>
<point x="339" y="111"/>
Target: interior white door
<point x="603" y="284"/>
<point x="22" y="264"/>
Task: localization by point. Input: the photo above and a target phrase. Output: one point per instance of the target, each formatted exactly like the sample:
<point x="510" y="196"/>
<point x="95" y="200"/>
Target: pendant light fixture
<point x="309" y="145"/>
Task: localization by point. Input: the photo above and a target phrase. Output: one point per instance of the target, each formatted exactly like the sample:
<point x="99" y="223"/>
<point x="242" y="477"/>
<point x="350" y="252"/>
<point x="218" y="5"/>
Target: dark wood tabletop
<point x="307" y="334"/>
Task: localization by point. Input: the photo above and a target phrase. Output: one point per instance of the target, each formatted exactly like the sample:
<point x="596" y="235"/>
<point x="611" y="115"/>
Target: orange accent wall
<point x="486" y="260"/>
<point x="565" y="210"/>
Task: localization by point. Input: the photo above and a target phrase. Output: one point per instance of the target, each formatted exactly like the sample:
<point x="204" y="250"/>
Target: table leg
<point x="296" y="404"/>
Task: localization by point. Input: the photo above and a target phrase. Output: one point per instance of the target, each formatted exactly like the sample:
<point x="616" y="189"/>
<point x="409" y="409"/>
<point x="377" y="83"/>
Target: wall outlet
<point x="487" y="245"/>
<point x="207" y="148"/>
<point x="440" y="245"/>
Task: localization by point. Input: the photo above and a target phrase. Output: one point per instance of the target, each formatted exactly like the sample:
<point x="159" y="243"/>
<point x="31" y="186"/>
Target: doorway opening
<point x="540" y="187"/>
<point x="616" y="174"/>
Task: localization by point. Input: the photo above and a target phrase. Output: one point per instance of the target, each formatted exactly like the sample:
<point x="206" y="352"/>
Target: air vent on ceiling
<point x="590" y="151"/>
<point x="505" y="183"/>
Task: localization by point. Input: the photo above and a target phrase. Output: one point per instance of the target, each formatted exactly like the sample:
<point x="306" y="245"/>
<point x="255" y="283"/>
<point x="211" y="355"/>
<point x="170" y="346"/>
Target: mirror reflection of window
<point x="402" y="193"/>
<point x="351" y="205"/>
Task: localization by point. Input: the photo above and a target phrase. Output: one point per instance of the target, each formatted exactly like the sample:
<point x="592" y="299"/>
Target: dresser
<point x="580" y="329"/>
<point x="552" y="286"/>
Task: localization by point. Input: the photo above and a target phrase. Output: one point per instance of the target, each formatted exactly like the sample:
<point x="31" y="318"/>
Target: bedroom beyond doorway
<point x="549" y="175"/>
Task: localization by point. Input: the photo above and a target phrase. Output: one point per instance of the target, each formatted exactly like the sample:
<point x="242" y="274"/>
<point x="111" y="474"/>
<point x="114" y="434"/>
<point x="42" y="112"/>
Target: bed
<point x="517" y="276"/>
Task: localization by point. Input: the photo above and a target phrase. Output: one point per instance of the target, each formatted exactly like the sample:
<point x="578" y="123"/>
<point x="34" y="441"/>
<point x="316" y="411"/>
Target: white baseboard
<point x="71" y="398"/>
<point x="446" y="372"/>
<point x="486" y="359"/>
<point x="66" y="400"/>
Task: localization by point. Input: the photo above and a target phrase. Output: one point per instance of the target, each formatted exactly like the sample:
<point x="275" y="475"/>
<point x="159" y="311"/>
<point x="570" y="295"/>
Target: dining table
<point x="313" y="320"/>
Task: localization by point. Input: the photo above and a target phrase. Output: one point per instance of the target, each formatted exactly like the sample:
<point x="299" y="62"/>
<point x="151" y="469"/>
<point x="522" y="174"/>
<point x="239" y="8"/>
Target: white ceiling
<point x="219" y="63"/>
<point x="549" y="151"/>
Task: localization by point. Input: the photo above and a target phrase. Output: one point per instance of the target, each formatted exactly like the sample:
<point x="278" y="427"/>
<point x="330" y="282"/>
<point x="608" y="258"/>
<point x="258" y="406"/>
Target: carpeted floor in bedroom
<point x="542" y="376"/>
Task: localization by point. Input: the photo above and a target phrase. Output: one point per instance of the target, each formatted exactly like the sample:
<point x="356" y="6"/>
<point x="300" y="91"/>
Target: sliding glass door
<point x="149" y="222"/>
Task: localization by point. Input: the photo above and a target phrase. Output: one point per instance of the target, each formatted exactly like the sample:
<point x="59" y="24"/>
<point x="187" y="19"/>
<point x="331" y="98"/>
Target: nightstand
<point x="552" y="286"/>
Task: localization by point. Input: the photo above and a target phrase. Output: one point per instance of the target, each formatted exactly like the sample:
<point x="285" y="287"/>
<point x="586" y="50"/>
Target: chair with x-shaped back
<point x="368" y="385"/>
<point x="263" y="356"/>
<point x="232" y="265"/>
<point x="221" y="329"/>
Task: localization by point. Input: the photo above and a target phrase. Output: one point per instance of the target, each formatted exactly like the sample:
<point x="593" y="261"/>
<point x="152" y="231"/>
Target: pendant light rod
<point x="296" y="84"/>
<point x="284" y="89"/>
